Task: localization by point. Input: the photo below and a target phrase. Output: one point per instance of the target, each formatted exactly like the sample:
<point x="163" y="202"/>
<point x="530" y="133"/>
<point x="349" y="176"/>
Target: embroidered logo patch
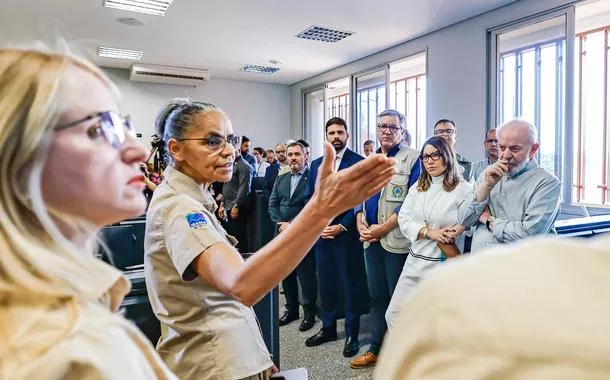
<point x="398" y="191"/>
<point x="196" y="220"/>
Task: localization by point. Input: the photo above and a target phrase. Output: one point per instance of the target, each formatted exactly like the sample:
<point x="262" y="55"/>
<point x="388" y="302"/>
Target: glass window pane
<point x="509" y="81"/>
<point x="592" y="115"/>
<point x="420" y="130"/>
<point x="372" y="88"/>
<point x="314" y="121"/>
<point x="548" y="106"/>
<point x="528" y="85"/>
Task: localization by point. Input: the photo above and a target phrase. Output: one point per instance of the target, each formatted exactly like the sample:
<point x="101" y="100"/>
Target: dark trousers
<point x="305" y="272"/>
<point x="337" y="261"/>
<point x="237" y="228"/>
<point x="383" y="270"/>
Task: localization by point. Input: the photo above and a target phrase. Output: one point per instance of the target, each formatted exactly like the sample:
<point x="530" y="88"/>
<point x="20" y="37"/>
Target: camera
<point x="157" y="142"/>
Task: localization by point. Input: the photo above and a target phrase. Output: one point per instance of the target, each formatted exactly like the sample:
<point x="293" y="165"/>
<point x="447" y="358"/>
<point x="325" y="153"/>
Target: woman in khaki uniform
<point x="200" y="288"/>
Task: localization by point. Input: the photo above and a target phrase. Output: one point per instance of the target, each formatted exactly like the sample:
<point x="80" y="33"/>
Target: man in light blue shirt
<point x="514" y="197"/>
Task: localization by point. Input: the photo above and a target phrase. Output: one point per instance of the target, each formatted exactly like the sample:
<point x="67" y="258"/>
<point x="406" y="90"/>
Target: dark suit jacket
<point x="250" y="160"/>
<point x="236" y="192"/>
<point x="347" y="219"/>
<point x="282" y="207"/>
<point x="271" y="174"/>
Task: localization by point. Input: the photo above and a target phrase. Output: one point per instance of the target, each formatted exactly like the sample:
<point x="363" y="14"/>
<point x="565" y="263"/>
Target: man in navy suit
<point x="286" y="201"/>
<point x="338" y="253"/>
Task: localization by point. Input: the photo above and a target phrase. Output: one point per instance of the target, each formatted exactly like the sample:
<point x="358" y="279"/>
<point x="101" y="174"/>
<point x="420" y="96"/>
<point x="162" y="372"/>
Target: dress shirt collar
<point x="299" y="173"/>
<point x="394" y="151"/>
<point x="184" y="184"/>
<point x="341" y="152"/>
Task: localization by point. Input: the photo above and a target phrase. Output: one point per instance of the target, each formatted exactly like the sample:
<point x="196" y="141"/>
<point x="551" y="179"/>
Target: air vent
<point x="267" y="70"/>
<point x="319" y="33"/>
<point x="168" y="75"/>
<point x="108" y="52"/>
<point x="151" y="7"/>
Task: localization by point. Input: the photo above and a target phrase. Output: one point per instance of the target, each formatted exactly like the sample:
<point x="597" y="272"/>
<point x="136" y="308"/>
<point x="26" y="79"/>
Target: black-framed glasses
<point x="217" y="142"/>
<point x="446" y="132"/>
<point x="492" y="141"/>
<point x="114" y="127"/>
<point x="389" y="127"/>
<point x="434" y="156"/>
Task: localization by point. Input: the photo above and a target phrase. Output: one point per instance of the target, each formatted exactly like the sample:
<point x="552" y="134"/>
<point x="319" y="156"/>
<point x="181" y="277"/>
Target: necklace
<point x="423" y="209"/>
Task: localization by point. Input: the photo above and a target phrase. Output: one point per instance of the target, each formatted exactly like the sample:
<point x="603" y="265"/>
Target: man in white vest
<point x="385" y="247"/>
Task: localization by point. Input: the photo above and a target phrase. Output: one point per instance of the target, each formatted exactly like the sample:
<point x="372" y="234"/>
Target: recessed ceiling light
<point x="151" y="7"/>
<point x="108" y="52"/>
<point x="130" y="21"/>
<point x="260" y="69"/>
<point x="320" y="33"/>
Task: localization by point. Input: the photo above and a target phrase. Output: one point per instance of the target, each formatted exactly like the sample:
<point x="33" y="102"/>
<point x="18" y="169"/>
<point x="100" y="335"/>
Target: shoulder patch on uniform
<point x="196" y="220"/>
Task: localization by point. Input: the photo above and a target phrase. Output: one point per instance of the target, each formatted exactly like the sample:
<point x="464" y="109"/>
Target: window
<point x="337" y="100"/>
<point x="370" y="100"/>
<point x="531" y="83"/>
<point x="314" y="121"/>
<point x="400" y="85"/>
<point x="590" y="174"/>
<point x="408" y="95"/>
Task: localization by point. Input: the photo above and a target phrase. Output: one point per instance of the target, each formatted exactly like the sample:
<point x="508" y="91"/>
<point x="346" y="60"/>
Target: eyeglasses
<point x="492" y="141"/>
<point x="434" y="156"/>
<point x="114" y="127"/>
<point x="389" y="127"/>
<point x="216" y="142"/>
<point x="447" y="132"/>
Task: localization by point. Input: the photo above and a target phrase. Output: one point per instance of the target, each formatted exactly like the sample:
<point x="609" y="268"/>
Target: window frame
<point x="564" y="163"/>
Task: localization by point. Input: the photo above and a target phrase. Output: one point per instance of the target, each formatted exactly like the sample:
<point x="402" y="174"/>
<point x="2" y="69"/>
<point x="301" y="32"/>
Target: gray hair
<point x="402" y="120"/>
<point x="531" y="129"/>
<point x="177" y="117"/>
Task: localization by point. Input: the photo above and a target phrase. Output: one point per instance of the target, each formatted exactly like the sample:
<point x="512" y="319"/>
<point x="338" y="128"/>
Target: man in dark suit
<point x="236" y="200"/>
<point x="286" y="201"/>
<point x="245" y="152"/>
<point x="338" y="254"/>
<point x="274" y="168"/>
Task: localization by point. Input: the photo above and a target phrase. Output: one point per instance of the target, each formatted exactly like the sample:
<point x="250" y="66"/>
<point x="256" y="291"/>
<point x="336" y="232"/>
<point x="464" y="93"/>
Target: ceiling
<point x="224" y="35"/>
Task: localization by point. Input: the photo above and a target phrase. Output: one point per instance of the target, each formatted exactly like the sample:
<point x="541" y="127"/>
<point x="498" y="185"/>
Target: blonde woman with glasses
<point x="69" y="164"/>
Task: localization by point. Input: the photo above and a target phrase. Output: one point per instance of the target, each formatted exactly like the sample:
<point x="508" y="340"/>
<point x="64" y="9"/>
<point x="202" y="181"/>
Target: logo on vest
<point x="196" y="220"/>
<point x="398" y="191"/>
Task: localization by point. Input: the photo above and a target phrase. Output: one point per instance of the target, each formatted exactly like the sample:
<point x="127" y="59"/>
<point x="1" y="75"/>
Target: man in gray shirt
<point x="491" y="147"/>
<point x="514" y="197"/>
<point x="235" y="201"/>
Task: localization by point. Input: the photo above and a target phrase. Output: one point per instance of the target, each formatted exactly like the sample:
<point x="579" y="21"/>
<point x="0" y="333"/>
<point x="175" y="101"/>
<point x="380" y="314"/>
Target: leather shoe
<point x="308" y="321"/>
<point x="369" y="359"/>
<point x="322" y="336"/>
<point x="288" y="317"/>
<point x="351" y="348"/>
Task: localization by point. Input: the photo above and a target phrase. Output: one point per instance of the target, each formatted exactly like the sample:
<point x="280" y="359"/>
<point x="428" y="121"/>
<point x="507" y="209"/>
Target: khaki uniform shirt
<point x="532" y="310"/>
<point x="204" y="333"/>
<point x="76" y="339"/>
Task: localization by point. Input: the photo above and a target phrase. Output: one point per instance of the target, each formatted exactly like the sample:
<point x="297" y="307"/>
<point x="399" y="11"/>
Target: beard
<point x="518" y="168"/>
<point x="338" y="145"/>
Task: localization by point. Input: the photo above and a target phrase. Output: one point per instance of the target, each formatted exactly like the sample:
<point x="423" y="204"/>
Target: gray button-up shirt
<point x="524" y="204"/>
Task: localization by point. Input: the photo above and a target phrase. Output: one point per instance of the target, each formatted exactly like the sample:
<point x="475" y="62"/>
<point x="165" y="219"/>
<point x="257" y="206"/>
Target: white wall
<point x="260" y="111"/>
<point x="457" y="72"/>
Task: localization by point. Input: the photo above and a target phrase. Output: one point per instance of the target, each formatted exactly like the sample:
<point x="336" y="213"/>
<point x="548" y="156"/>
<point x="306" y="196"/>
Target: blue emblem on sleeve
<point x="196" y="220"/>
